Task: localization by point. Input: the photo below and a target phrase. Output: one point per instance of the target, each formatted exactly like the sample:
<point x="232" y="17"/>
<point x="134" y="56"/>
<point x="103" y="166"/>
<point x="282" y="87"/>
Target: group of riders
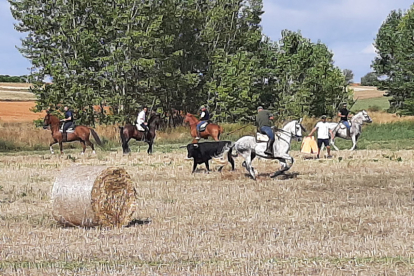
<point x="264" y="122"/>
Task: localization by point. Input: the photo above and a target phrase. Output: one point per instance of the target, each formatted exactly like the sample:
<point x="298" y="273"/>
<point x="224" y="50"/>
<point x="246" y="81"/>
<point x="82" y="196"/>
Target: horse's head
<point x="189" y="118"/>
<point x="365" y="117"/>
<point x="294" y="128"/>
<point x="50" y="120"/>
<point x="155" y="121"/>
<point x="46" y="120"/>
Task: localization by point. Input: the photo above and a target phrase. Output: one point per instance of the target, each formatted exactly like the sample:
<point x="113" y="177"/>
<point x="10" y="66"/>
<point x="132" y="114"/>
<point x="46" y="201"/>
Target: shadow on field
<point x="138" y="222"/>
<point x="284" y="176"/>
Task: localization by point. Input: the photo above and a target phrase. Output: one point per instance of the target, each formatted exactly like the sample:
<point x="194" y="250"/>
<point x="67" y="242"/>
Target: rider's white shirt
<point x="141" y="117"/>
<point x="202" y="114"/>
<point x="323" y="130"/>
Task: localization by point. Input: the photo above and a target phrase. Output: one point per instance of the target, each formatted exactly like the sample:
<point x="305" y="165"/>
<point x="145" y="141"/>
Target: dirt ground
<point x="17" y="112"/>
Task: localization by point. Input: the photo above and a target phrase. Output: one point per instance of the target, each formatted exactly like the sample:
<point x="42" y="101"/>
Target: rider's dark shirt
<point x="206" y="116"/>
<point x="344" y="112"/>
<point x="69" y="114"/>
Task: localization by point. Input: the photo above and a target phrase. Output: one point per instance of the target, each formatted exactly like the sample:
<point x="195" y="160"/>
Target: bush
<point x="374" y="108"/>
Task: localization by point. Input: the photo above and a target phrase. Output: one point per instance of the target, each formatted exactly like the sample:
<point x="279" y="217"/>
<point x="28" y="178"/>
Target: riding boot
<point x="348" y="132"/>
<point x="269" y="149"/>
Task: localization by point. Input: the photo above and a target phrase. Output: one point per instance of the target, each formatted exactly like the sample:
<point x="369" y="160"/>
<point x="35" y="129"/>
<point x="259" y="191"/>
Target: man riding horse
<point x="264" y="124"/>
<point x="67" y="122"/>
<point x="142" y="125"/>
<point x="204" y="117"/>
<point x="344" y="114"/>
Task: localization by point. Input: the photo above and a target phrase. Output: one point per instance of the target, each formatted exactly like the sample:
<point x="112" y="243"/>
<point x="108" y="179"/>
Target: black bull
<point x="203" y="152"/>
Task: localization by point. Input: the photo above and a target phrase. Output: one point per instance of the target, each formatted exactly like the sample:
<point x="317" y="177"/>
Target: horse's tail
<point x="96" y="137"/>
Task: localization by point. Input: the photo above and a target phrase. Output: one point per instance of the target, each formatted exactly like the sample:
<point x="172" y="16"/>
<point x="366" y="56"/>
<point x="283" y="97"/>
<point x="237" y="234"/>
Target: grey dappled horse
<point x="339" y="130"/>
<point x="249" y="148"/>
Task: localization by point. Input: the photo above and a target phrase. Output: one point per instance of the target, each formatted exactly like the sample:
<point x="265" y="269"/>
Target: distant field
<point x="369" y="97"/>
<point x="18" y="112"/>
<point x="15" y="92"/>
<point x="374" y="103"/>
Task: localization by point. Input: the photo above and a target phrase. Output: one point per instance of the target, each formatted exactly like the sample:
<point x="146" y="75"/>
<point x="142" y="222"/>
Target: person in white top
<point x="323" y="135"/>
<point x="141" y="123"/>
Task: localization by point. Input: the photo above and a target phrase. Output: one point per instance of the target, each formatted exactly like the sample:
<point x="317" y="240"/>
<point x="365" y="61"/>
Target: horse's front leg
<point x="50" y="146"/>
<point x="283" y="162"/>
<point x="354" y="142"/>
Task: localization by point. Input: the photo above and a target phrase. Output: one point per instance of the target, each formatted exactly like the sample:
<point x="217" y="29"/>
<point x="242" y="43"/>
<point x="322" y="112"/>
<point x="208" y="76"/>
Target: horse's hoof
<point x="82" y="153"/>
<point x="273" y="175"/>
<point x="94" y="152"/>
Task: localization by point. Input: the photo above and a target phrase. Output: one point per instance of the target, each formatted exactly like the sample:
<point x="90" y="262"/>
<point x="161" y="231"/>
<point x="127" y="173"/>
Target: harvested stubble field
<point x="352" y="215"/>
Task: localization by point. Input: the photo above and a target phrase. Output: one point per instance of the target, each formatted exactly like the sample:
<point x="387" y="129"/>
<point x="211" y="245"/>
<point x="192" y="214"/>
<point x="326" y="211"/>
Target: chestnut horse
<point x="81" y="134"/>
<point x="212" y="130"/>
<point x="131" y="131"/>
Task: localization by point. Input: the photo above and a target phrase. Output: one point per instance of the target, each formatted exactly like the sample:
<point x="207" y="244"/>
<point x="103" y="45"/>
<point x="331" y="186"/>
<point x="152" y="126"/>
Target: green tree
<point x="349" y="75"/>
<point x="370" y="79"/>
<point x="387" y="64"/>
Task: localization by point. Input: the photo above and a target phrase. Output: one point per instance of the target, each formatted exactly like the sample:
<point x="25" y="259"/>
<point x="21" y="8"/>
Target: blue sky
<point x="348" y="27"/>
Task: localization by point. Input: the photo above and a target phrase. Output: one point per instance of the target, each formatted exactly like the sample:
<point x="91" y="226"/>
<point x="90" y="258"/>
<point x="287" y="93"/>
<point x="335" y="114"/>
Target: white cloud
<point x="370" y="49"/>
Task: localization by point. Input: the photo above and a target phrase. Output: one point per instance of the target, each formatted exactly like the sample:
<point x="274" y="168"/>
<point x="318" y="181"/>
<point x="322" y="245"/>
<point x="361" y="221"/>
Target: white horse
<point x="339" y="129"/>
<point x="249" y="148"/>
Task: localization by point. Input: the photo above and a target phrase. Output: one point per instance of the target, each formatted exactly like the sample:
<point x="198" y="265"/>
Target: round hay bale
<point x="93" y="196"/>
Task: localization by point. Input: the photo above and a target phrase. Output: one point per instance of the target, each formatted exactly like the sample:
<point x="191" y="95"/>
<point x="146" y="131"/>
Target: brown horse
<point x="131" y="131"/>
<point x="81" y="134"/>
<point x="212" y="130"/>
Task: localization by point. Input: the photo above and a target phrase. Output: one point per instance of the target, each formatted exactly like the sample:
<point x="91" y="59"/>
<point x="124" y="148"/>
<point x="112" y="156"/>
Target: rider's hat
<point x="323" y="117"/>
<point x="260" y="107"/>
<point x="203" y="106"/>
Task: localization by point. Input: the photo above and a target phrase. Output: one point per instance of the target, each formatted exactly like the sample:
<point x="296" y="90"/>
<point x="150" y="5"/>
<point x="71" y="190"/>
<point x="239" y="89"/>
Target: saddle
<point x="342" y="126"/>
<point x="261" y="138"/>
<point x="203" y="126"/>
<point x="71" y="129"/>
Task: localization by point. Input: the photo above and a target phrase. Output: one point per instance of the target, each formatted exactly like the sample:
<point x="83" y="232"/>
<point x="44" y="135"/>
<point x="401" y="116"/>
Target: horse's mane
<point x="285" y="122"/>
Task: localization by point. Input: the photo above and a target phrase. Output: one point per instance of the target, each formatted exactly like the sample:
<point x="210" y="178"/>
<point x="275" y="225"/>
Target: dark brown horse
<point x="131" y="131"/>
<point x="212" y="130"/>
<point x="81" y="134"/>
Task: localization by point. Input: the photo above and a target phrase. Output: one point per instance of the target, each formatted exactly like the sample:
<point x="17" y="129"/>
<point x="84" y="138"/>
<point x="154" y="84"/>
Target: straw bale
<point x="93" y="196"/>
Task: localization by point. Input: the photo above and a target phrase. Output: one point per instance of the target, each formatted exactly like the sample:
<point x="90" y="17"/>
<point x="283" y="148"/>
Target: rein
<point x="236" y="130"/>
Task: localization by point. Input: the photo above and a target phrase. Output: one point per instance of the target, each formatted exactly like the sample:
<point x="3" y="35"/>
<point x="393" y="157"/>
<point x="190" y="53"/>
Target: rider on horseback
<point x="141" y="120"/>
<point x="204" y="117"/>
<point x="68" y="121"/>
<point x="344" y="114"/>
<point x="264" y="124"/>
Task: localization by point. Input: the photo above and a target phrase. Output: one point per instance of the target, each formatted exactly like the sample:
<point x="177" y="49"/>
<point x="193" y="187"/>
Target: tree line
<point x="7" y="78"/>
<point x="108" y="58"/>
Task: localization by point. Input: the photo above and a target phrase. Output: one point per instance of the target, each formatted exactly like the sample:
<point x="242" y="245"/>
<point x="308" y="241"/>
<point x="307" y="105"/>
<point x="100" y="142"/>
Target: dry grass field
<point x="352" y="215"/>
<point x="367" y="92"/>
